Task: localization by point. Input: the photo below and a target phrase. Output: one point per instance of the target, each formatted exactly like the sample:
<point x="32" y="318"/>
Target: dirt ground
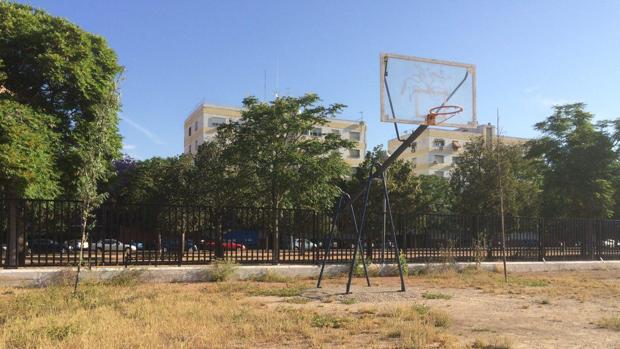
<point x="441" y="308"/>
<point x="560" y="311"/>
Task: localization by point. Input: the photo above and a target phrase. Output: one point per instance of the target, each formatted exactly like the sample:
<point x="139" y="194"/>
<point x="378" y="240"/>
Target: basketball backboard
<point x="413" y="88"/>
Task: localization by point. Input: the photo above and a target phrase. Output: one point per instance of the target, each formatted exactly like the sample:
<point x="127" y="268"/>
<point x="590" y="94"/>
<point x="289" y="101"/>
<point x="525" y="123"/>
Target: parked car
<point x="248" y="238"/>
<point x="46" y="246"/>
<point x="76" y="244"/>
<point x="173" y="245"/>
<point x="113" y="245"/>
<point x="307" y="244"/>
<point x="139" y="245"/>
<point x="522" y="239"/>
<point x="226" y="245"/>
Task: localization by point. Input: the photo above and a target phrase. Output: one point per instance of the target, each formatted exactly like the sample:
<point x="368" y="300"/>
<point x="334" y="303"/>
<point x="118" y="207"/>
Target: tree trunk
<point x="85" y="212"/>
<point x="275" y="257"/>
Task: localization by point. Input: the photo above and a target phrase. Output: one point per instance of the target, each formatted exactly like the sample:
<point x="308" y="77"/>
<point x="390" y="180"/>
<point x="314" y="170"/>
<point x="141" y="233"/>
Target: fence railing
<point x="48" y="233"/>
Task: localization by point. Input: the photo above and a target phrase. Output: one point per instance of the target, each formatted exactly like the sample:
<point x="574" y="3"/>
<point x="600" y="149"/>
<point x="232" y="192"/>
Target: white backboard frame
<point x="386" y="114"/>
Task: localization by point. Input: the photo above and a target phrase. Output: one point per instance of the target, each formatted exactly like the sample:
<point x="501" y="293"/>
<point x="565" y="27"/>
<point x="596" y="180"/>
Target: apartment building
<point x="201" y="126"/>
<point x="436" y="150"/>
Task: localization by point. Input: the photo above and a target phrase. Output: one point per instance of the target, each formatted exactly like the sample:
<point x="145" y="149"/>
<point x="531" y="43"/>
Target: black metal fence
<point x="48" y="233"/>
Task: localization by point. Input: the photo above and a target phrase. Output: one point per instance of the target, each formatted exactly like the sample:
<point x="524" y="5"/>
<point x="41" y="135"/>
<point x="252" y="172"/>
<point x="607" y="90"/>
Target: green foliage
<point x="402" y="260"/>
<point x="27" y="152"/>
<point x="269" y="151"/>
<point x="435" y="295"/>
<point x="475" y="180"/>
<point x="157" y="181"/>
<point x="221" y="270"/>
<point x="409" y="194"/>
<point x="580" y="163"/>
<point x="328" y="321"/>
<point x="358" y="267"/>
<point x="292" y="290"/>
<point x="60" y="70"/>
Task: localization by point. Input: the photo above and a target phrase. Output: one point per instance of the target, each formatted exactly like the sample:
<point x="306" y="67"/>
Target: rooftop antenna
<point x="361" y="116"/>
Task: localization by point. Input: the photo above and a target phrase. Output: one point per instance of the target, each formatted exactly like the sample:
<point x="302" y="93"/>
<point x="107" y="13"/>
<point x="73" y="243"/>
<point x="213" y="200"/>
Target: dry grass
<point x="611" y="323"/>
<point x="579" y="285"/>
<point x="122" y="314"/>
<point x="496" y="343"/>
<point x="276" y="312"/>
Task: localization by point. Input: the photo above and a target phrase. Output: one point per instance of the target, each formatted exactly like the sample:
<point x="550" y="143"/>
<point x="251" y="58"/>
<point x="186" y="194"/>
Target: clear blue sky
<point x="529" y="55"/>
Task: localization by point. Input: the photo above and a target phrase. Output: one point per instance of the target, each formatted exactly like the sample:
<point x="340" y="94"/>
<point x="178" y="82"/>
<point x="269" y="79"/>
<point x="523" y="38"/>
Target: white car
<point x="76" y="244"/>
<point x="113" y="245"/>
<point x="611" y="243"/>
<point x="307" y="244"/>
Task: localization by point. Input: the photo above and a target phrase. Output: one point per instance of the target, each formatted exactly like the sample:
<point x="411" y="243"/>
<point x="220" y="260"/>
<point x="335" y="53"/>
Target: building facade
<point x="201" y="126"/>
<point x="436" y="150"/>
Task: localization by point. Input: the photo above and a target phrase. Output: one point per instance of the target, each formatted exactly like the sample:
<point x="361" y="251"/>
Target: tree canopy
<point x="58" y="69"/>
<point x="475" y="180"/>
<point x="580" y="163"/>
<point x="27" y="159"/>
<point x="271" y="151"/>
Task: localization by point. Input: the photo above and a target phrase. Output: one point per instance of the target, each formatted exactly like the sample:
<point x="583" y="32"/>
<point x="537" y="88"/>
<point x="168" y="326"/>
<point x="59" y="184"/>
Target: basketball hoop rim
<point x="450" y="110"/>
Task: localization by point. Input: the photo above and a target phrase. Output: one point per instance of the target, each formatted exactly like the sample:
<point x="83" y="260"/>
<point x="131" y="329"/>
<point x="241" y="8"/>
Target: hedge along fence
<point x="46" y="233"/>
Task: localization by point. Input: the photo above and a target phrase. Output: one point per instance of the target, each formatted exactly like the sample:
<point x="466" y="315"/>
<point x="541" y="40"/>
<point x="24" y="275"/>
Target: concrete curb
<point x="39" y="277"/>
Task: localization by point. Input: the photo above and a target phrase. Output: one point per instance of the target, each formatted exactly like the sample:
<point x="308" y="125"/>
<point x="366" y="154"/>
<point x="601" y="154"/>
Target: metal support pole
<point x="360" y="231"/>
<point x="331" y="238"/>
<point x="396" y="251"/>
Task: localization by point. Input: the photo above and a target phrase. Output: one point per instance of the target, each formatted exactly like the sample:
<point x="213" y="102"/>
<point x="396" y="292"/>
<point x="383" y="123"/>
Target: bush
<point x="221" y="270"/>
<point x="402" y="260"/>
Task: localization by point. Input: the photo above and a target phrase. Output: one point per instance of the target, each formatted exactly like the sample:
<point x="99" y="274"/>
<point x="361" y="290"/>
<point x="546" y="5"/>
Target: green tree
<point x="271" y="152"/>
<point x="580" y="163"/>
<point x="60" y="70"/>
<point x="216" y="180"/>
<point x="409" y="194"/>
<point x="91" y="147"/>
<point x="27" y="149"/>
<point x="475" y="180"/>
<point x="434" y="195"/>
<point x="157" y="181"/>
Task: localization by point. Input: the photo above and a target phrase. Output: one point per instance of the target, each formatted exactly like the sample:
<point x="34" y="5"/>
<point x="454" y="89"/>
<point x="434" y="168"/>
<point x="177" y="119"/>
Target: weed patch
<point x="435" y="295"/>
<point x="610" y="323"/>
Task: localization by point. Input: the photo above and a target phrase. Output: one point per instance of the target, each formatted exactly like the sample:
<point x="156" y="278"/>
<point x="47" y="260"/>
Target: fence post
<point x="12" y="249"/>
<point x="275" y="224"/>
<point x="596" y="227"/>
<point x="219" y="239"/>
<point x="541" y="239"/>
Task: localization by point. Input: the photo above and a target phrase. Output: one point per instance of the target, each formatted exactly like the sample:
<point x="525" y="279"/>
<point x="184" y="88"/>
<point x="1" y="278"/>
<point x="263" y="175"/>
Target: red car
<point x="226" y="245"/>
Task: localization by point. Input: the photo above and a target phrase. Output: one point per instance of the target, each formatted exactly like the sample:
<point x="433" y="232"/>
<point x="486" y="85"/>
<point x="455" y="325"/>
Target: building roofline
<point x="239" y="109"/>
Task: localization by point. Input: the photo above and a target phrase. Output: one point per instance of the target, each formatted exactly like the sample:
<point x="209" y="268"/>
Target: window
<point x="439" y="143"/>
<point x="195" y="126"/>
<point x="189" y="132"/>
<point x="316" y="132"/>
<point x="439" y="173"/>
<point x="196" y="144"/>
<point x="189" y="150"/>
<point x="215" y="121"/>
<point x="336" y="132"/>
<point x="414" y="146"/>
<point x="355" y="136"/>
<point x="354" y="153"/>
<point x="456" y="159"/>
<point x="438" y="159"/>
